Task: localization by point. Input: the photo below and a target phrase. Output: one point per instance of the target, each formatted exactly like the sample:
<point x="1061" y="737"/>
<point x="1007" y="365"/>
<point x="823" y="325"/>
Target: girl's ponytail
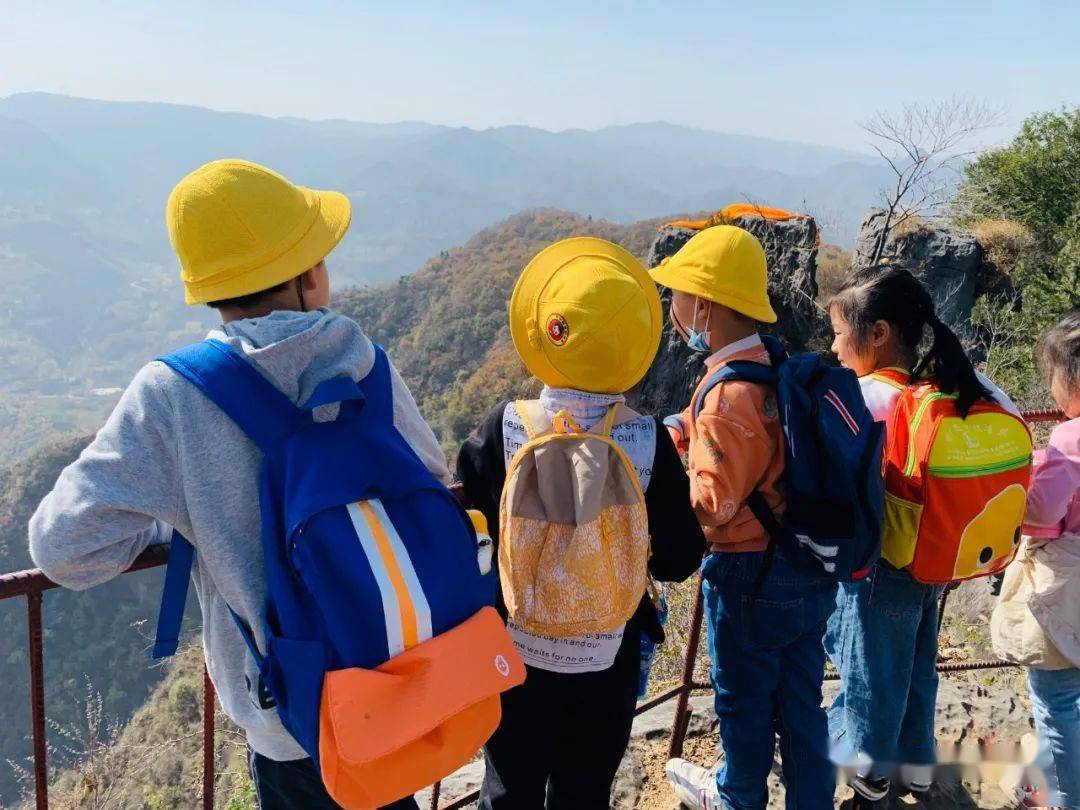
<point x="897" y="297"/>
<point x="947" y="364"/>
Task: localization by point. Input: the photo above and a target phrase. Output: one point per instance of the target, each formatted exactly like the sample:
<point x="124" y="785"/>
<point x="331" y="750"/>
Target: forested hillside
<point x="445" y="326"/>
<point x="100" y="637"/>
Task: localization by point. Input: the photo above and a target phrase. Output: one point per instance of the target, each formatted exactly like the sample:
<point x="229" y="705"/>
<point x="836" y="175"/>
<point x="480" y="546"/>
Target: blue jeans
<point x="1055" y="702"/>
<point x="768" y="665"/>
<point x="882" y="638"/>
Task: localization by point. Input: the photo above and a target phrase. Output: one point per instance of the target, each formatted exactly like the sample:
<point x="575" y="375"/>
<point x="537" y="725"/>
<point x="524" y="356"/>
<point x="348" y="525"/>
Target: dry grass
<point x="670" y="656"/>
<point x="1003" y="241"/>
<point x="833" y="263"/>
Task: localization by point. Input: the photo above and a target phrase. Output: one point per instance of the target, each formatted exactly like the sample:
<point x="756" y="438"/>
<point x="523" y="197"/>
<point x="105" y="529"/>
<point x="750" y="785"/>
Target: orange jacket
<point x="735" y="445"/>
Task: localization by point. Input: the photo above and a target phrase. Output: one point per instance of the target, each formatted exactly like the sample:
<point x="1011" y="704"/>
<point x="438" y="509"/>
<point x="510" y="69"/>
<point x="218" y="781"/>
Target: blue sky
<point x="799" y="70"/>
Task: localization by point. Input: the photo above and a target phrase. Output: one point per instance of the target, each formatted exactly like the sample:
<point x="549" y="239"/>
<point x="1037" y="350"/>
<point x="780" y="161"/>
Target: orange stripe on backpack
<point x="410" y="634"/>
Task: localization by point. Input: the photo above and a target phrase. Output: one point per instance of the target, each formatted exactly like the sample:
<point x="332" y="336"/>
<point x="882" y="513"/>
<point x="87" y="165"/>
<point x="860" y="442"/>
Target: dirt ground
<point x="974" y="719"/>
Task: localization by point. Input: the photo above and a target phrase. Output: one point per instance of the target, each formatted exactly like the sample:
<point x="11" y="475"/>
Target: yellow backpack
<point x="573" y="530"/>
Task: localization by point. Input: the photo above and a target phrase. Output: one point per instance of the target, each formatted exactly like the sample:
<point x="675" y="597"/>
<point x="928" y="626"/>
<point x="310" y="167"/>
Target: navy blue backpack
<point x="384" y="655"/>
<point x="833" y="484"/>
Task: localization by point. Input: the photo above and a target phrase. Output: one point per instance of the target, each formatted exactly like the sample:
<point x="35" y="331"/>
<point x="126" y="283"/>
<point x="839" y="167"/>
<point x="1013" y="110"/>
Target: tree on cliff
<point x="923" y="145"/>
<point x="1034" y="182"/>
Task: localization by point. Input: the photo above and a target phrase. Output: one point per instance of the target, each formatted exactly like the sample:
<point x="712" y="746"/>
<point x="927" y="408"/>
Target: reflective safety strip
<point x="405" y="607"/>
<point x="837" y="403"/>
<point x="421" y="608"/>
<point x="822" y="552"/>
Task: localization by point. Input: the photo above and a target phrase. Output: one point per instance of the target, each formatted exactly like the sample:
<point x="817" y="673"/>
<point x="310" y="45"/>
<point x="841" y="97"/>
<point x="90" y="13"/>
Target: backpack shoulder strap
<point x="533" y="417"/>
<point x="895" y="377"/>
<point x="233" y="384"/>
<point x="743" y="370"/>
<point x="609" y="421"/>
<point x="624" y="414"/>
<point x="263" y="413"/>
<point x="174" y="598"/>
<point x="378" y="389"/>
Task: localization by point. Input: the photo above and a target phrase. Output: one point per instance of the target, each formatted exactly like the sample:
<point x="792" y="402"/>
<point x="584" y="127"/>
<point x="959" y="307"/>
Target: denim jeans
<point x="882" y="638"/>
<point x="1055" y="702"/>
<point x="768" y="666"/>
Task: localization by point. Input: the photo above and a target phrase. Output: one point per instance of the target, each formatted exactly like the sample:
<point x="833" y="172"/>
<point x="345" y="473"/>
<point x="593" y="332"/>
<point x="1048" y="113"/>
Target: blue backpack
<point x="384" y="654"/>
<point x="833" y="485"/>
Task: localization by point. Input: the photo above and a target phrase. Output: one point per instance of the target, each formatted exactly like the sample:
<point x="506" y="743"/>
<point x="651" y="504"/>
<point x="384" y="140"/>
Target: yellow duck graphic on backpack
<point x="983" y="546"/>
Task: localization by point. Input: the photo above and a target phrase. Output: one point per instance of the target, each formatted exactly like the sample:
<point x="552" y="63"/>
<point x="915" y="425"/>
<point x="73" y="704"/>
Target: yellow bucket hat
<point x="585" y="315"/>
<point x="724" y="264"/>
<point x="239" y="228"/>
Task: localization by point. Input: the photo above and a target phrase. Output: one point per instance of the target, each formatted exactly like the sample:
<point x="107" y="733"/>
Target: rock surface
<point x="791" y="247"/>
<point x="969" y="717"/>
<point x="947" y="259"/>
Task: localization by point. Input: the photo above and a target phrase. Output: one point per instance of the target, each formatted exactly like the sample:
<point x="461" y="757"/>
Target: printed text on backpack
<point x="956" y="487"/>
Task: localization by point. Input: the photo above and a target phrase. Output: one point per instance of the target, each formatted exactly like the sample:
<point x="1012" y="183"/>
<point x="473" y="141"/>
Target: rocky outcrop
<point x="947" y="259"/>
<point x="791" y="247"/>
<point x="973" y="724"/>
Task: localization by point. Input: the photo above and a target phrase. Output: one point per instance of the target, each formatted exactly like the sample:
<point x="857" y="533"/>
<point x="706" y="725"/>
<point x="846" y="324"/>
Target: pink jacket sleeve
<point x="1055" y="480"/>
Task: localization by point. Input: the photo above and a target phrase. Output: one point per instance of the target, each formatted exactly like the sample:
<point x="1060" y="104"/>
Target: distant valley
<point x="90" y="284"/>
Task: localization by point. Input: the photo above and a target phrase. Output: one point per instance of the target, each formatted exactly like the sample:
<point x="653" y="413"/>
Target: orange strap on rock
<point x="732" y="212"/>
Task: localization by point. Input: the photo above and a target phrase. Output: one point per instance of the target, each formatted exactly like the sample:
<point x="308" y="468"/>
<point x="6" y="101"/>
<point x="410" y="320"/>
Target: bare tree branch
<point x="921" y="144"/>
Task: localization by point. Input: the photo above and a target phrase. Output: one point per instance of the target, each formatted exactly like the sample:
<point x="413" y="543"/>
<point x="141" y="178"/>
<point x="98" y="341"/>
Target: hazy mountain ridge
<point x="91" y="287"/>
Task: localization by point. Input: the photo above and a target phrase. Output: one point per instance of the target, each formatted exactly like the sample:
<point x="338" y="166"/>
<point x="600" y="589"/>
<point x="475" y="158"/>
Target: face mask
<point x="696" y="341"/>
<point x="699" y="341"/>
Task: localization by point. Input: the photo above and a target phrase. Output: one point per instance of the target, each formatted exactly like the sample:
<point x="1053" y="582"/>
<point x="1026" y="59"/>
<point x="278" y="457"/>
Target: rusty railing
<point x="32" y="585"/>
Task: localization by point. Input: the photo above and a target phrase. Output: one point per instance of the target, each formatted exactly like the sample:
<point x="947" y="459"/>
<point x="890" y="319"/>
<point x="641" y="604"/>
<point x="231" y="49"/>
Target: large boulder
<point x="947" y="259"/>
<point x="791" y="246"/>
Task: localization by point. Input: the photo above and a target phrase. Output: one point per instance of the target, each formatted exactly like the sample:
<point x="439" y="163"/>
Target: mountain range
<point x="90" y="284"/>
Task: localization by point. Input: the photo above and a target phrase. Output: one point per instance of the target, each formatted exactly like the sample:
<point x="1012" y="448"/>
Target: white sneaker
<point x="873" y="790"/>
<point x="917" y="778"/>
<point x="694" y="786"/>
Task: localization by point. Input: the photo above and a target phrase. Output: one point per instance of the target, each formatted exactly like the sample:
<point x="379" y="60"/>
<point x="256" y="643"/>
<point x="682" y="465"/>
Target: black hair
<point x="251" y="300"/>
<point x="1058" y="350"/>
<point x="895" y="296"/>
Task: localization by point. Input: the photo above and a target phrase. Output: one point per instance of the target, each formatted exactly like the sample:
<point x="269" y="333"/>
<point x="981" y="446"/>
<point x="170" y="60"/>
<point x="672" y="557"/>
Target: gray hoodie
<point x="168" y="457"/>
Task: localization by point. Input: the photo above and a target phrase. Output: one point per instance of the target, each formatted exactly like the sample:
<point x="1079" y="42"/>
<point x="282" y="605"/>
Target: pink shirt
<point x="1053" y="503"/>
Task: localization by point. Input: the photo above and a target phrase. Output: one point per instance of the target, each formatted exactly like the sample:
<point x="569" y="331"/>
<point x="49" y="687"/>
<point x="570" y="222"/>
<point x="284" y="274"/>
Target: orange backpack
<point x="955" y="489"/>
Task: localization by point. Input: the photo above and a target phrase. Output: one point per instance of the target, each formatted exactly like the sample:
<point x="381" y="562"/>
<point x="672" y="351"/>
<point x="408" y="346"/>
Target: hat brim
<point x="668" y="277"/>
<point x="331" y="222"/>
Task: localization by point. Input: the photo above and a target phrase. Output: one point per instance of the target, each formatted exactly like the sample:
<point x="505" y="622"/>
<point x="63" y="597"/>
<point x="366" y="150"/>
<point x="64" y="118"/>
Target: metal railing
<point x="32" y="585"/>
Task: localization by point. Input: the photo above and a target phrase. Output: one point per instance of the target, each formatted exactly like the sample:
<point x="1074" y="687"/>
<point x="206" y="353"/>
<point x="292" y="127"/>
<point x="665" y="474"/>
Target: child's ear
<point x="310" y="278"/>
<point x="880" y="333"/>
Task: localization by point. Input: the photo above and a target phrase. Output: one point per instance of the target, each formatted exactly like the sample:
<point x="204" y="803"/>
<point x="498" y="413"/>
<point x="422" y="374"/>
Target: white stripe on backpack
<point x="405" y="606"/>
<point x="412" y="581"/>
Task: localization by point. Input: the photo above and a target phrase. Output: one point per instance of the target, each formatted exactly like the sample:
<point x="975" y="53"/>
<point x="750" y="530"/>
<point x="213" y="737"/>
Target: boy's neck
<point x="230" y="314"/>
<point x="727" y="334"/>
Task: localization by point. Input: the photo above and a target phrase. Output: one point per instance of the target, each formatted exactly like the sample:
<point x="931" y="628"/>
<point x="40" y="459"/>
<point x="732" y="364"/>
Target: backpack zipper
<point x="971" y="472"/>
